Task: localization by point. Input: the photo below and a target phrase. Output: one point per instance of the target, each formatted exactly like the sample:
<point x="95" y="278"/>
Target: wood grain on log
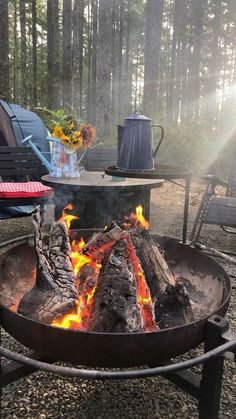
<point x="102" y="242"/>
<point x="172" y="303"/>
<point x="55" y="290"/>
<point x="156" y="270"/>
<point x="115" y="308"/>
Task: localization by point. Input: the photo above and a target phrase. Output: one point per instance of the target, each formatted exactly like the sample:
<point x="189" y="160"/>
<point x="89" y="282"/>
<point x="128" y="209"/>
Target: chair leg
<point x="42" y="211"/>
<point x="200" y="217"/>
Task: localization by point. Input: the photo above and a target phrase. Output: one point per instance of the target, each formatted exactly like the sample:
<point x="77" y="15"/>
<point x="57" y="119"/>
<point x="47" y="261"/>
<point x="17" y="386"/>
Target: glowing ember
<point x="143" y="294"/>
<point x="14" y="306"/>
<point x="66" y="320"/>
<point x="67" y="218"/>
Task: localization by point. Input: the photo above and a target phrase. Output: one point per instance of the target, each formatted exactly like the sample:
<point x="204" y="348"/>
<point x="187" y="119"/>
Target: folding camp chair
<point x="218" y="210"/>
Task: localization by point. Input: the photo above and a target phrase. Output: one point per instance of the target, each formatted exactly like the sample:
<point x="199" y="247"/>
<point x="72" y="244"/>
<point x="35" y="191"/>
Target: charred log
<point x="102" y="242"/>
<point x="55" y="291"/>
<point x="173" y="308"/>
<point x="156" y="270"/>
<point x="172" y="303"/>
<point x="115" y="308"/>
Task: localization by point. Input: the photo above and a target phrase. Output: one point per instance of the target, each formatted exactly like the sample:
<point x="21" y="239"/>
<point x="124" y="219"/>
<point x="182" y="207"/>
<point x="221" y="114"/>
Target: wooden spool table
<point x="99" y="199"/>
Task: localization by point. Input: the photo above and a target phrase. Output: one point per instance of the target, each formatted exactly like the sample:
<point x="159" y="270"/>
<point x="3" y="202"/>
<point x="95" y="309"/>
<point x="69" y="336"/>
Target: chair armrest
<point x="213" y="180"/>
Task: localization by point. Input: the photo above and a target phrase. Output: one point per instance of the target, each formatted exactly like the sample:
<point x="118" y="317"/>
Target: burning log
<point x="115" y="307"/>
<point x="55" y="291"/>
<point x="172" y="303"/>
<point x="102" y="242"/>
<point x="157" y="272"/>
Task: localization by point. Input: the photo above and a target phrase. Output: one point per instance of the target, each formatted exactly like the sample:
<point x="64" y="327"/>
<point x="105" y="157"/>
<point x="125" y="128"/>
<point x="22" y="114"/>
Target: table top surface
<point x="100" y="180"/>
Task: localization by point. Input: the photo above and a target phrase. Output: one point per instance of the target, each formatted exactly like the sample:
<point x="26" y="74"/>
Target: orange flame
<point x="78" y="319"/>
<point x="136" y="219"/>
<point x="143" y="294"/>
<point x="67" y="218"/>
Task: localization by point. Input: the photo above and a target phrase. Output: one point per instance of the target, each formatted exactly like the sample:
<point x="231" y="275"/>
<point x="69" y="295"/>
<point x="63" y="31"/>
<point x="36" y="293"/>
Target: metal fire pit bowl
<point x="207" y="279"/>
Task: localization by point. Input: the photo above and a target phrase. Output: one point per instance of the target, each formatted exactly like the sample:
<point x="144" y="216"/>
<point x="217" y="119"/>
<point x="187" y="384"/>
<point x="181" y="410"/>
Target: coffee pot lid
<point x="138" y="116"/>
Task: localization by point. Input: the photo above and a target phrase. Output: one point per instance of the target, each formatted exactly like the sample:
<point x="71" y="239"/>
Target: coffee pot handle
<point x="161" y="139"/>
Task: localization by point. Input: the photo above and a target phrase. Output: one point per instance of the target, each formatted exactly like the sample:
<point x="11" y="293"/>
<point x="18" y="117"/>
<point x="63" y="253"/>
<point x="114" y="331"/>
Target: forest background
<point x="173" y="59"/>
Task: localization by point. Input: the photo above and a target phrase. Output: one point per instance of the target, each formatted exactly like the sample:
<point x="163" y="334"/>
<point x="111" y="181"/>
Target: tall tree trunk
<point x="120" y="71"/>
<point x="4" y="48"/>
<point x="127" y="89"/>
<point x="184" y="53"/>
<point x="171" y="111"/>
<point x="15" y="57"/>
<point x="34" y="54"/>
<point x="23" y="87"/>
<point x="78" y="21"/>
<point x="104" y="68"/>
<point x="152" y="53"/>
<point x="194" y="81"/>
<point x="67" y="52"/>
<point x="89" y="37"/>
<point x="53" y="59"/>
<point x="114" y="60"/>
<point x="214" y="64"/>
<point x="180" y="60"/>
<point x="93" y="69"/>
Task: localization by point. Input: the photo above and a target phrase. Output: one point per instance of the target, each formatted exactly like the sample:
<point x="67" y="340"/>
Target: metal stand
<point x="207" y="389"/>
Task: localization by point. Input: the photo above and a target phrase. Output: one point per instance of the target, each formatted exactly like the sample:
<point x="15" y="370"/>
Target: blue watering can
<point x="41" y="157"/>
<point x="63" y="163"/>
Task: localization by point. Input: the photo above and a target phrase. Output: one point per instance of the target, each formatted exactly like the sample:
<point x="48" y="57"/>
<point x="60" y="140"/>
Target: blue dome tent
<point x="17" y="123"/>
<point x="23" y="123"/>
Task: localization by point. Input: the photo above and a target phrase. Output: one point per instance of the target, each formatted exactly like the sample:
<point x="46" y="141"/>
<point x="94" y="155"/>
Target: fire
<point x="143" y="294"/>
<point x="67" y="218"/>
<point x="140" y="218"/>
<point x="67" y="319"/>
<point x="78" y="318"/>
<point x="136" y="219"/>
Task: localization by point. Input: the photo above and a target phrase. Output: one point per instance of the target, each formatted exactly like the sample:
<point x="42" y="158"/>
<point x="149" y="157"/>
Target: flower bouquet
<point x="69" y="135"/>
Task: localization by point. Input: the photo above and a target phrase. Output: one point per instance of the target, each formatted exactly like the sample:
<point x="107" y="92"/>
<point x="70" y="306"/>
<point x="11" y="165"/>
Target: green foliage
<point x="54" y="117"/>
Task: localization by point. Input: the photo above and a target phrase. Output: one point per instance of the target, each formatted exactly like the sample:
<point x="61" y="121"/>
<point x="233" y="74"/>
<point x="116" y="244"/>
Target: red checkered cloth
<point x="23" y="189"/>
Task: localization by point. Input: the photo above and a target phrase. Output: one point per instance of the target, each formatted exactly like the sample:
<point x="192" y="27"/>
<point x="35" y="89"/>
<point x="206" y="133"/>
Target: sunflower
<point x="65" y="141"/>
<point x="87" y="134"/>
<point x="76" y="139"/>
<point x="58" y="132"/>
<point x="73" y="135"/>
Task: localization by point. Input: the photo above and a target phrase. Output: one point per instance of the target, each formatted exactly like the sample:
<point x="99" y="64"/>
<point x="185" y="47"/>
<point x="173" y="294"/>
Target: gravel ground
<point x="43" y="395"/>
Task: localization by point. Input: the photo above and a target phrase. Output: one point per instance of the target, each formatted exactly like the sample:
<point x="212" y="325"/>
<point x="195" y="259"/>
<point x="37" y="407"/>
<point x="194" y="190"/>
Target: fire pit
<point x="121" y="350"/>
<point x="207" y="284"/>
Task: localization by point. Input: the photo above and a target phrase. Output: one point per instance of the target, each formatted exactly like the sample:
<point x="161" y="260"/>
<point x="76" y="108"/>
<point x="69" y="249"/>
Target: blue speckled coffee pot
<point x="135" y="145"/>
